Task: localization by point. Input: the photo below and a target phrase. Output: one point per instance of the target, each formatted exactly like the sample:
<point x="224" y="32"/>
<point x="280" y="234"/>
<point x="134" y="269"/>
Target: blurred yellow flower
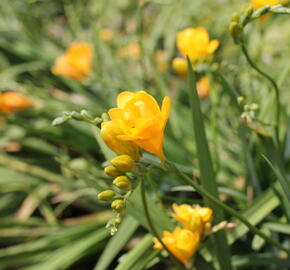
<point x="110" y="132"/>
<point x="203" y="87"/>
<point x="13" y="101"/>
<point x="261" y="3"/>
<point x="181" y="243"/>
<point x="179" y="65"/>
<point x="75" y="63"/>
<point x="194" y="218"/>
<point x="141" y="121"/>
<point x="106" y="34"/>
<point x="161" y="62"/>
<point x="195" y="43"/>
<point x="132" y="50"/>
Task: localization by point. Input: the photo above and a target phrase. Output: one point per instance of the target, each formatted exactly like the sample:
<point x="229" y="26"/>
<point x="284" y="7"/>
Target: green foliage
<point x="50" y="175"/>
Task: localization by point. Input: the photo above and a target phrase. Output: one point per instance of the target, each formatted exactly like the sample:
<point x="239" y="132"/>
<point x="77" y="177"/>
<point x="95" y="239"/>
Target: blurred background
<point x="50" y="217"/>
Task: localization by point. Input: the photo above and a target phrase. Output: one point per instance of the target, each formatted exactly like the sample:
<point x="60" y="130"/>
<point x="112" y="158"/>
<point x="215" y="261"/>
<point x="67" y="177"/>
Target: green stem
<point x="187" y="180"/>
<point x="275" y="87"/>
<point x="152" y="227"/>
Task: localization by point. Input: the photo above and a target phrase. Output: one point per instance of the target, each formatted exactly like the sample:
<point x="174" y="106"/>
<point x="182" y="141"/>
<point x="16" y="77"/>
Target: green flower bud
<point x="122" y="182"/>
<point x="241" y="100"/>
<point x="236" y="17"/>
<point x="235" y="30"/>
<point x="112" y="171"/>
<point x="118" y="205"/>
<point x="105" y="116"/>
<point x="77" y="116"/>
<point x="124" y="163"/>
<point x="106" y="195"/>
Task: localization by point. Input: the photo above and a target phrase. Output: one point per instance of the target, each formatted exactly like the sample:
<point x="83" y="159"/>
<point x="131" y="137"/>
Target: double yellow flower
<point x="183" y="242"/>
<point x="138" y="121"/>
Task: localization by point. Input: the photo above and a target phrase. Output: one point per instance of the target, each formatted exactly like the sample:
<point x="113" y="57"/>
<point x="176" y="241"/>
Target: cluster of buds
<point x="83" y="116"/>
<point x="249" y="110"/>
<point x="236" y="27"/>
<point x="120" y="169"/>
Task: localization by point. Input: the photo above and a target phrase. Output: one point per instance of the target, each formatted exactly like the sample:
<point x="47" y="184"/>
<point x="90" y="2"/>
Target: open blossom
<point x="182" y="243"/>
<point x="195" y="43"/>
<point x="141" y="121"/>
<point x="194" y="218"/>
<point x="13" y="101"/>
<point x="75" y="63"/>
<point x="110" y="132"/>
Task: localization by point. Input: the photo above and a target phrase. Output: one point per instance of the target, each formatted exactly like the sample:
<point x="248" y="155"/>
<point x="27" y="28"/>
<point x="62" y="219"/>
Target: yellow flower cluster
<point x="13" y="101"/>
<point x="137" y="122"/>
<point x="194" y="43"/>
<point x="183" y="242"/>
<point x="75" y="63"/>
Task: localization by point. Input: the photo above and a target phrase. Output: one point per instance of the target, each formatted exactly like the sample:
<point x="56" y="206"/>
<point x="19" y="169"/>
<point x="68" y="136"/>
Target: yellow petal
<point x="213" y="45"/>
<point x="123" y="98"/>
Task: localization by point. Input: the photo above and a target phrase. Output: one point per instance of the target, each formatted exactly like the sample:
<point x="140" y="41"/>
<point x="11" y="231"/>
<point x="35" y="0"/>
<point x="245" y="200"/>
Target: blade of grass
<point x="116" y="243"/>
<point x="207" y="174"/>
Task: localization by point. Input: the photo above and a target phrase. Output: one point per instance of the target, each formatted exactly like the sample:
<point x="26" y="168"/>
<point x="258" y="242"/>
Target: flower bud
<point x="105" y="116"/>
<point x="180" y="66"/>
<point x="77" y="116"/>
<point x="106" y="195"/>
<point x="241" y="100"/>
<point x="118" y="205"/>
<point x="123" y="163"/>
<point x="122" y="182"/>
<point x="112" y="171"/>
<point x="110" y="132"/>
<point x="236" y="17"/>
<point x="235" y="30"/>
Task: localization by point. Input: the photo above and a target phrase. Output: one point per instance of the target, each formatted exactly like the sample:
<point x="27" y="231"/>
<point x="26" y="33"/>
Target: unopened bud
<point x="112" y="171"/>
<point x="118" y="205"/>
<point x="105" y="116"/>
<point x="77" y="116"/>
<point x="248" y="10"/>
<point x="235" y="30"/>
<point x="180" y="66"/>
<point x="122" y="182"/>
<point x="236" y="17"/>
<point x="241" y="100"/>
<point x="123" y="163"/>
<point x="106" y="195"/>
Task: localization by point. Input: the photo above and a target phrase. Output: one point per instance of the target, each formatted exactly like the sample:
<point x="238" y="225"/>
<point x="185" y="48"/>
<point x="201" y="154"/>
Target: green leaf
<point x="207" y="174"/>
<point x="132" y="257"/>
<point x="116" y="243"/>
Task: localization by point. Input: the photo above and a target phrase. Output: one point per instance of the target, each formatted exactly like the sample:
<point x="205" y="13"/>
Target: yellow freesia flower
<point x="13" y="101"/>
<point x="182" y="243"/>
<point x="75" y="63"/>
<point x="257" y="4"/>
<point x="110" y="132"/>
<point x="203" y="87"/>
<point x="141" y="121"/>
<point x="194" y="218"/>
<point x="195" y="43"/>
